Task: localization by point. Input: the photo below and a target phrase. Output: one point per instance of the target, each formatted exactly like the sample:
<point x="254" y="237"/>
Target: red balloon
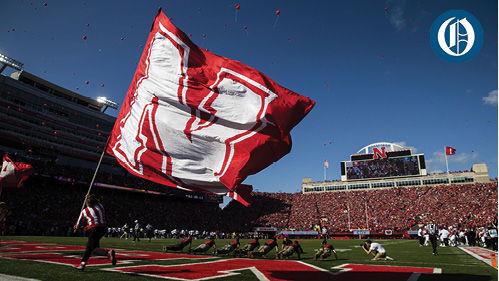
<point x="237" y="6"/>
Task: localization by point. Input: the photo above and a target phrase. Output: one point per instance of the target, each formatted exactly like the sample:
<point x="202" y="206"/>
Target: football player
<point x="248" y="248"/>
<point x="207" y="244"/>
<point x="325" y="251"/>
<point x="286" y="242"/>
<point x="289" y="250"/>
<point x="265" y="248"/>
<point x="180" y="245"/>
<point x="229" y="248"/>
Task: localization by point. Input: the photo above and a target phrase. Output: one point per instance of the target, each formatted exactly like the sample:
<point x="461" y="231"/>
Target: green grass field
<point x="455" y="264"/>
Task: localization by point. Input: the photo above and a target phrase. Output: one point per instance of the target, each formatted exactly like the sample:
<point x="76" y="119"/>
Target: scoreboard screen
<point x="383" y="168"/>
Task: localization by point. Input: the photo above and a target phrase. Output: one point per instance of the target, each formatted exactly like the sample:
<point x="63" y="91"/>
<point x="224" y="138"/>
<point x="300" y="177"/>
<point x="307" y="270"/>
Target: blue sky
<point x="368" y="64"/>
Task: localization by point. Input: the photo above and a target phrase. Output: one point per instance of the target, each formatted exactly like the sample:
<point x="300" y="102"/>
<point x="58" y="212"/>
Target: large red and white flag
<point x="198" y="121"/>
<point x="14" y="173"/>
<point x="449" y="150"/>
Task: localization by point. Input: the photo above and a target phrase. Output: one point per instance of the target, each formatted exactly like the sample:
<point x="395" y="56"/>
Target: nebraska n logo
<point x="194" y="129"/>
<point x="379" y="153"/>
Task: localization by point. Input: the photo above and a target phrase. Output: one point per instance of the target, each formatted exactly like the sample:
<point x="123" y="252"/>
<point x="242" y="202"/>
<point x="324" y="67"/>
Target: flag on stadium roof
<point x="449" y="150"/>
<point x="198" y="121"/>
<point x="14" y="173"/>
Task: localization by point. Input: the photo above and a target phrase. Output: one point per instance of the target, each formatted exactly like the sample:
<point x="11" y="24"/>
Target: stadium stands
<point x="36" y="207"/>
<point x="397" y="209"/>
<point x="49" y="206"/>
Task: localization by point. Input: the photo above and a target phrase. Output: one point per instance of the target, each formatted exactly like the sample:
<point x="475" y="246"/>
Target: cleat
<point x="80" y="267"/>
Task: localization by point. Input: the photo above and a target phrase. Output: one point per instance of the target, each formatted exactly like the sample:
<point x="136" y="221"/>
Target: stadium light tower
<point x="6" y="61"/>
<point x="107" y="103"/>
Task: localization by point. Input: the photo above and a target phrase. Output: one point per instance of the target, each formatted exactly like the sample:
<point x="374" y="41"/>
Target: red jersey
<point x="92" y="217"/>
<point x="297" y="248"/>
<point x="186" y="240"/>
<point x="254" y="243"/>
<point x="234" y="243"/>
<point x="328" y="246"/>
<point x="271" y="243"/>
<point x="210" y="242"/>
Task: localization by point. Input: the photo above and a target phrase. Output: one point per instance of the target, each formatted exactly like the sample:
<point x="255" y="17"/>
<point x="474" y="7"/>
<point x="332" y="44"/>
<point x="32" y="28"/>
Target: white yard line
<point x="5" y="277"/>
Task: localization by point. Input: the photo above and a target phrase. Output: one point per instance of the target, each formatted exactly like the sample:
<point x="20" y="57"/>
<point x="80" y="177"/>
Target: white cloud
<point x="436" y="163"/>
<point x="491" y="98"/>
<point x="404" y="144"/>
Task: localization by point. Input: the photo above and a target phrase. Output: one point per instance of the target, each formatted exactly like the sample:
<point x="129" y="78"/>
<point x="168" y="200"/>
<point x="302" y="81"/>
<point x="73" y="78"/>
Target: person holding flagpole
<point x="93" y="219"/>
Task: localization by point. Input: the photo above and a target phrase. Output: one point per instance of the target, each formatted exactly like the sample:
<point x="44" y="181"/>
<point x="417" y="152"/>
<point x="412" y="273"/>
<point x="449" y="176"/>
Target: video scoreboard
<point x="383" y="160"/>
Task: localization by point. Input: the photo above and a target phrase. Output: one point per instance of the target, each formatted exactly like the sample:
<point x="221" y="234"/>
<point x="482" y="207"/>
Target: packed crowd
<point x="49" y="206"/>
<point x="395" y="209"/>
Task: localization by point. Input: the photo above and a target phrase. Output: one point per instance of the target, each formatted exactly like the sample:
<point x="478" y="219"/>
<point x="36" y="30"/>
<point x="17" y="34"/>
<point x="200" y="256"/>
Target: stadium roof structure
<point x="390" y="147"/>
<point x="6" y="61"/>
<point x="56" y="90"/>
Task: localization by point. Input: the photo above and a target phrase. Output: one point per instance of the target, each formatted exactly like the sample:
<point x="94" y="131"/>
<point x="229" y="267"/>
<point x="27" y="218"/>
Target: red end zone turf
<point x="263" y="269"/>
<point x="269" y="270"/>
<point x="38" y="247"/>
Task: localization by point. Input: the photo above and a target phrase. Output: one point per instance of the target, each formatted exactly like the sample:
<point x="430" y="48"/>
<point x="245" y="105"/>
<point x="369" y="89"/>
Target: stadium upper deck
<point x="63" y="133"/>
<point x="50" y="121"/>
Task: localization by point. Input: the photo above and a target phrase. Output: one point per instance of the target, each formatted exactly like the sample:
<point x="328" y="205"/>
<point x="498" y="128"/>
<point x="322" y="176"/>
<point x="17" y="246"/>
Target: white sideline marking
<point x="487" y="261"/>
<point x="5" y="277"/>
<point x="437" y="270"/>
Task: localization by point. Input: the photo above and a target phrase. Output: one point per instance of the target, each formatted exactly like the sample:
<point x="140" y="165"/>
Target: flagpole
<point x="367" y="219"/>
<point x="348" y="214"/>
<point x="94" y="176"/>
<point x="324" y="165"/>
<point x="447" y="164"/>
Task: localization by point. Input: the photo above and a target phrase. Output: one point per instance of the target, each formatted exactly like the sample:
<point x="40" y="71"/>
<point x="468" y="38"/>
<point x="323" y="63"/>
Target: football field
<point x="52" y="258"/>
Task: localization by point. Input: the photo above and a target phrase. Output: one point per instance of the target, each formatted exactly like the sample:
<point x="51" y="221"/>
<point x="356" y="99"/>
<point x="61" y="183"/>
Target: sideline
<point x="479" y="253"/>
